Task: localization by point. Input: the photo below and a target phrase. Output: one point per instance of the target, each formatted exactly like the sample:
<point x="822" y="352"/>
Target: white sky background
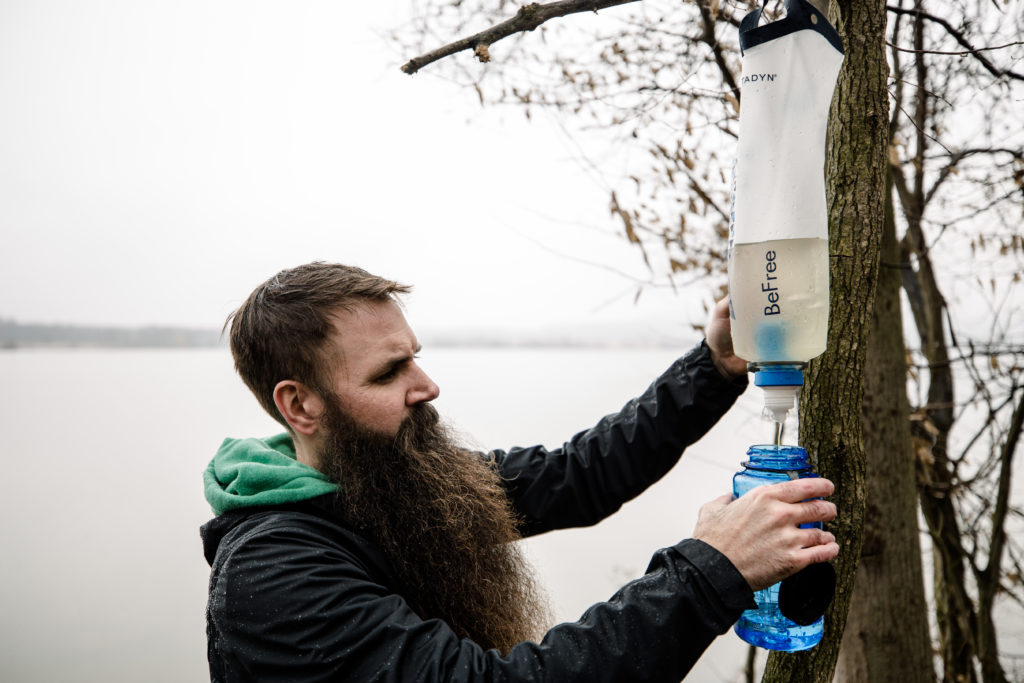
<point x="160" y="159"/>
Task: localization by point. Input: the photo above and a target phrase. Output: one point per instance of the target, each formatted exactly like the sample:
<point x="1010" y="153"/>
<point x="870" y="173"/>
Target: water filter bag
<point x="789" y="71"/>
<point x="778" y="233"/>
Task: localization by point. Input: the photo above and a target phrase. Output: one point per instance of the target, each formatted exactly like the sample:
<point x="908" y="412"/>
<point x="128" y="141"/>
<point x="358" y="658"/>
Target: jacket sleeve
<point x="598" y="470"/>
<point x="290" y="604"/>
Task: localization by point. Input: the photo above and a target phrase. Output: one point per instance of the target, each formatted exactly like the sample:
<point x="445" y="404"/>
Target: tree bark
<point x="886" y="638"/>
<point x="830" y="408"/>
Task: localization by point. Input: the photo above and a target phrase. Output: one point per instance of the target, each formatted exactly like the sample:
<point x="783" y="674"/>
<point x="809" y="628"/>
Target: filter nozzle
<point x="780" y="383"/>
<point x="779" y="400"/>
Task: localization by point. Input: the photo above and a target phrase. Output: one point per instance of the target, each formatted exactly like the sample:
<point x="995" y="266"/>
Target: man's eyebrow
<point x="404" y="355"/>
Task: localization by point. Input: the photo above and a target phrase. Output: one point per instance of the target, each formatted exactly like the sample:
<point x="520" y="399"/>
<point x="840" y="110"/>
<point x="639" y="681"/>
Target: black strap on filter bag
<point x="800" y="15"/>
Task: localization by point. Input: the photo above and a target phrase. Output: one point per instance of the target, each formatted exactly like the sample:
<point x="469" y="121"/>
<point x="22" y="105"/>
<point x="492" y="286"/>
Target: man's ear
<point x="299" y="405"/>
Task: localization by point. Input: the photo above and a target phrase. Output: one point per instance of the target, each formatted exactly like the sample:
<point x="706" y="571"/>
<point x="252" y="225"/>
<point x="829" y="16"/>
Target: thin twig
<point x="953" y="53"/>
<point x="959" y="37"/>
<point x="526" y="19"/>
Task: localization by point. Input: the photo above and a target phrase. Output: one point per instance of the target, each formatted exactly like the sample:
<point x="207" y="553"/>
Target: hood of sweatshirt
<point x="257" y="472"/>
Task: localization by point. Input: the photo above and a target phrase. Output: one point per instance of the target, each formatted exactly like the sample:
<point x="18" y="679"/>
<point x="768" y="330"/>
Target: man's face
<point x="376" y="378"/>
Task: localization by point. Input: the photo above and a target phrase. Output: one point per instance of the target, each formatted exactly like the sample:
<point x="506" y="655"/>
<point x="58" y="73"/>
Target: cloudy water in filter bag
<point x="778" y="234"/>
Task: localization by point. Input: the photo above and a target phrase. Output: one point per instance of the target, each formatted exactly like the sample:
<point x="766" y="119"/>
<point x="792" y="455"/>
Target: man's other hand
<point x="759" y="531"/>
<point x="719" y="339"/>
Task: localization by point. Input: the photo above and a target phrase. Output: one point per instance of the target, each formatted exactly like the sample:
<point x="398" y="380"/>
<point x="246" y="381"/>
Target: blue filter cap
<point x="782" y="375"/>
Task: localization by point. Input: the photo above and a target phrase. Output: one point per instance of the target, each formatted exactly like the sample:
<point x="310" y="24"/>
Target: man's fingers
<point x="721" y="309"/>
<point x="816" y="553"/>
<point x="797" y="490"/>
<point x="809" y="511"/>
<point x="815" y="537"/>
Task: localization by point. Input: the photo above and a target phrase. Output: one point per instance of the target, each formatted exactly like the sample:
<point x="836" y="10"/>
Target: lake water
<point x="102" y="576"/>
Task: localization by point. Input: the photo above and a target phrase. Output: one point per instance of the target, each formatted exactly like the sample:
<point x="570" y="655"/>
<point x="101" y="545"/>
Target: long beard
<point x="441" y="516"/>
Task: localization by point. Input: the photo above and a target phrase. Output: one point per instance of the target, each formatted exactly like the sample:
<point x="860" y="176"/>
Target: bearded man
<point x="364" y="544"/>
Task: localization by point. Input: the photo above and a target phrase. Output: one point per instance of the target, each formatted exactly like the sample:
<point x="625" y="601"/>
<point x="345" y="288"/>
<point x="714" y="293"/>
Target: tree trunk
<point x="989" y="578"/>
<point x="953" y="606"/>
<point x="886" y="638"/>
<point x="830" y="408"/>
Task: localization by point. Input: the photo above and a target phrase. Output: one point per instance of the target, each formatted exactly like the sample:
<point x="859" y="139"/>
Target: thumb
<point x="713" y="508"/>
<point x="720" y="502"/>
<point x="708" y="519"/>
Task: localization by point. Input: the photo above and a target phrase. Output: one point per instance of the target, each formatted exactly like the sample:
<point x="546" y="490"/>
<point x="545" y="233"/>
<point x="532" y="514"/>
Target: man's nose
<point x="423" y="389"/>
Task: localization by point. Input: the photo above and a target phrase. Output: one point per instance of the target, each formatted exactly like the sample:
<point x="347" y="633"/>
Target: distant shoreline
<point x="16" y="336"/>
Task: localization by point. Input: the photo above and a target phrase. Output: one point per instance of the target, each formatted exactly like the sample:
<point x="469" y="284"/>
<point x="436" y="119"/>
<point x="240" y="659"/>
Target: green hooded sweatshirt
<point x="251" y="472"/>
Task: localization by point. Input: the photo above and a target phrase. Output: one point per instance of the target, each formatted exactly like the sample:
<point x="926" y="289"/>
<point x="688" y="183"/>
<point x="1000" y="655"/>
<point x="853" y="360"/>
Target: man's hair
<point x="281" y="330"/>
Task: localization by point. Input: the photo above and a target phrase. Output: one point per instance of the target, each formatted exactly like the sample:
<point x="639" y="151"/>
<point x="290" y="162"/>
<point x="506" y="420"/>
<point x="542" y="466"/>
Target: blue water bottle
<point x="767" y="626"/>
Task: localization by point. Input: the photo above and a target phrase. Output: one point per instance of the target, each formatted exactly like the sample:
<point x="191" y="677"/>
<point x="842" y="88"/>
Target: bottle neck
<point x="777" y="458"/>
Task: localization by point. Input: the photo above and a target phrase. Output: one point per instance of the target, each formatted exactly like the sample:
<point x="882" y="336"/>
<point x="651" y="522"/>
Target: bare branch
<point x="989" y="421"/>
<point x="1003" y="498"/>
<point x="956" y="157"/>
<point x="526" y="19"/>
<point x="959" y="38"/>
<point x="954" y="53"/>
<point x="897" y="69"/>
<point x="708" y="36"/>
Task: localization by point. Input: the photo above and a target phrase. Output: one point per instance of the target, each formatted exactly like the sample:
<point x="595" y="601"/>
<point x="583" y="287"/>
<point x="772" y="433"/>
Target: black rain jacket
<point x="298" y="595"/>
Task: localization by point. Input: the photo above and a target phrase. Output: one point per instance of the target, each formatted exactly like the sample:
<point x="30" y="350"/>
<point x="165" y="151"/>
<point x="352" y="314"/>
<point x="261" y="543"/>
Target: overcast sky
<point x="160" y="159"/>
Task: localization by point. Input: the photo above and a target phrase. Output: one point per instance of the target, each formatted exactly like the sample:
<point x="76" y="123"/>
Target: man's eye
<point x="393" y="371"/>
<point x="387" y="376"/>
